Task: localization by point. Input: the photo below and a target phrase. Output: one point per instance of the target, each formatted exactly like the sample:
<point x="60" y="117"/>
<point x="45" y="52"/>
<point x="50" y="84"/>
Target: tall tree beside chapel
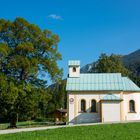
<point x="26" y="53"/>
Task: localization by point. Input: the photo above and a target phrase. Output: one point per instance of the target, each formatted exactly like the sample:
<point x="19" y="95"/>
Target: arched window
<point x="83" y="105"/>
<point x="74" y="69"/>
<point x="93" y="105"/>
<point x="132" y="106"/>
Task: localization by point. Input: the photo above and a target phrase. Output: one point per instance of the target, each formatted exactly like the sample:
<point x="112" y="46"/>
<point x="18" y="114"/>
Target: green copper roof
<point x="101" y="82"/>
<point x="111" y="97"/>
<point x="129" y="85"/>
<point x="74" y="63"/>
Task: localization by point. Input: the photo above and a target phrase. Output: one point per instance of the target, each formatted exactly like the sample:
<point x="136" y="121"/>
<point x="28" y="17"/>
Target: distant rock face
<point x="131" y="61"/>
<point x="88" y="68"/>
<point x="133" y="57"/>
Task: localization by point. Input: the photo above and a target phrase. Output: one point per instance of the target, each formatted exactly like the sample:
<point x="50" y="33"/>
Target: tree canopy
<point x="26" y="52"/>
<point x="111" y="64"/>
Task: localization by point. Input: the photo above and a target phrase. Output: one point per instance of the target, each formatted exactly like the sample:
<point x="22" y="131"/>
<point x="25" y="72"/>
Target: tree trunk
<point x="13" y="120"/>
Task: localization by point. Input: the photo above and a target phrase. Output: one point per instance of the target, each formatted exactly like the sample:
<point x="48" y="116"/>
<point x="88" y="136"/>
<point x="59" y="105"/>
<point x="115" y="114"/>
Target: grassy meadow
<point x="27" y="124"/>
<point x="130" y="131"/>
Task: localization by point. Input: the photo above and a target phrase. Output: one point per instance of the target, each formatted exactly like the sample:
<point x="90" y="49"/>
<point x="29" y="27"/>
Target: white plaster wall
<point x="71" y="117"/>
<point x="88" y="116"/>
<point x="75" y="116"/>
<point x="127" y="97"/>
<point x="74" y="74"/>
<point x="111" y="111"/>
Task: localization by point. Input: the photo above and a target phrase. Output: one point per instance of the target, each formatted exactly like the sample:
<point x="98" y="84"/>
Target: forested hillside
<point x="130" y="61"/>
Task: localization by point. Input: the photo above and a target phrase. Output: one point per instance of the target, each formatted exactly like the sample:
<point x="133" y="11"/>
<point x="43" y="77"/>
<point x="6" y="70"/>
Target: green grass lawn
<point x="25" y="124"/>
<point x="130" y="131"/>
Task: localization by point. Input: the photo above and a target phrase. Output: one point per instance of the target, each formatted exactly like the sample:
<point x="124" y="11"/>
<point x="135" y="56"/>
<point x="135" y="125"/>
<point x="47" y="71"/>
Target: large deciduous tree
<point x="26" y="52"/>
<point x="111" y="64"/>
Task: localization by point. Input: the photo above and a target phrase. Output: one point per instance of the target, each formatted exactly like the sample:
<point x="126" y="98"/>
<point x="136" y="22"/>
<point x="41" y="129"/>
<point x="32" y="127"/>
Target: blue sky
<point x="86" y="28"/>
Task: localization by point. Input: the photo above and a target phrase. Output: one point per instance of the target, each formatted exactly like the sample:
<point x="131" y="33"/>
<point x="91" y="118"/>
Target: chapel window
<point x="93" y="105"/>
<point x="132" y="106"/>
<point x="83" y="105"/>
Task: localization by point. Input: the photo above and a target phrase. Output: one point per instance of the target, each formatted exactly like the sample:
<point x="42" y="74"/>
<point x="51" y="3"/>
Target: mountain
<point x="131" y="62"/>
<point x="88" y="68"/>
<point x="131" y="58"/>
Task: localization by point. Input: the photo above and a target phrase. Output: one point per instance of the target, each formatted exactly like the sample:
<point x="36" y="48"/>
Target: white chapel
<point x="100" y="97"/>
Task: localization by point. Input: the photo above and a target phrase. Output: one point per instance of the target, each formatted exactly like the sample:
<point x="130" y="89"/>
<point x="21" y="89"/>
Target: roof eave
<point x="111" y="99"/>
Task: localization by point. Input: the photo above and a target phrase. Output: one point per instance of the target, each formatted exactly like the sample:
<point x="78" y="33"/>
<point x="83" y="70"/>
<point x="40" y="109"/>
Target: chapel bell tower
<point x="74" y="68"/>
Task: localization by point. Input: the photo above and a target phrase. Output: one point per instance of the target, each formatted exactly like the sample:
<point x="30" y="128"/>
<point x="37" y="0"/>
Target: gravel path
<point x="8" y="131"/>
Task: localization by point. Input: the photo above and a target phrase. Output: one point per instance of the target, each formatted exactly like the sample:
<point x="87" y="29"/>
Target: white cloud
<point x="56" y="17"/>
